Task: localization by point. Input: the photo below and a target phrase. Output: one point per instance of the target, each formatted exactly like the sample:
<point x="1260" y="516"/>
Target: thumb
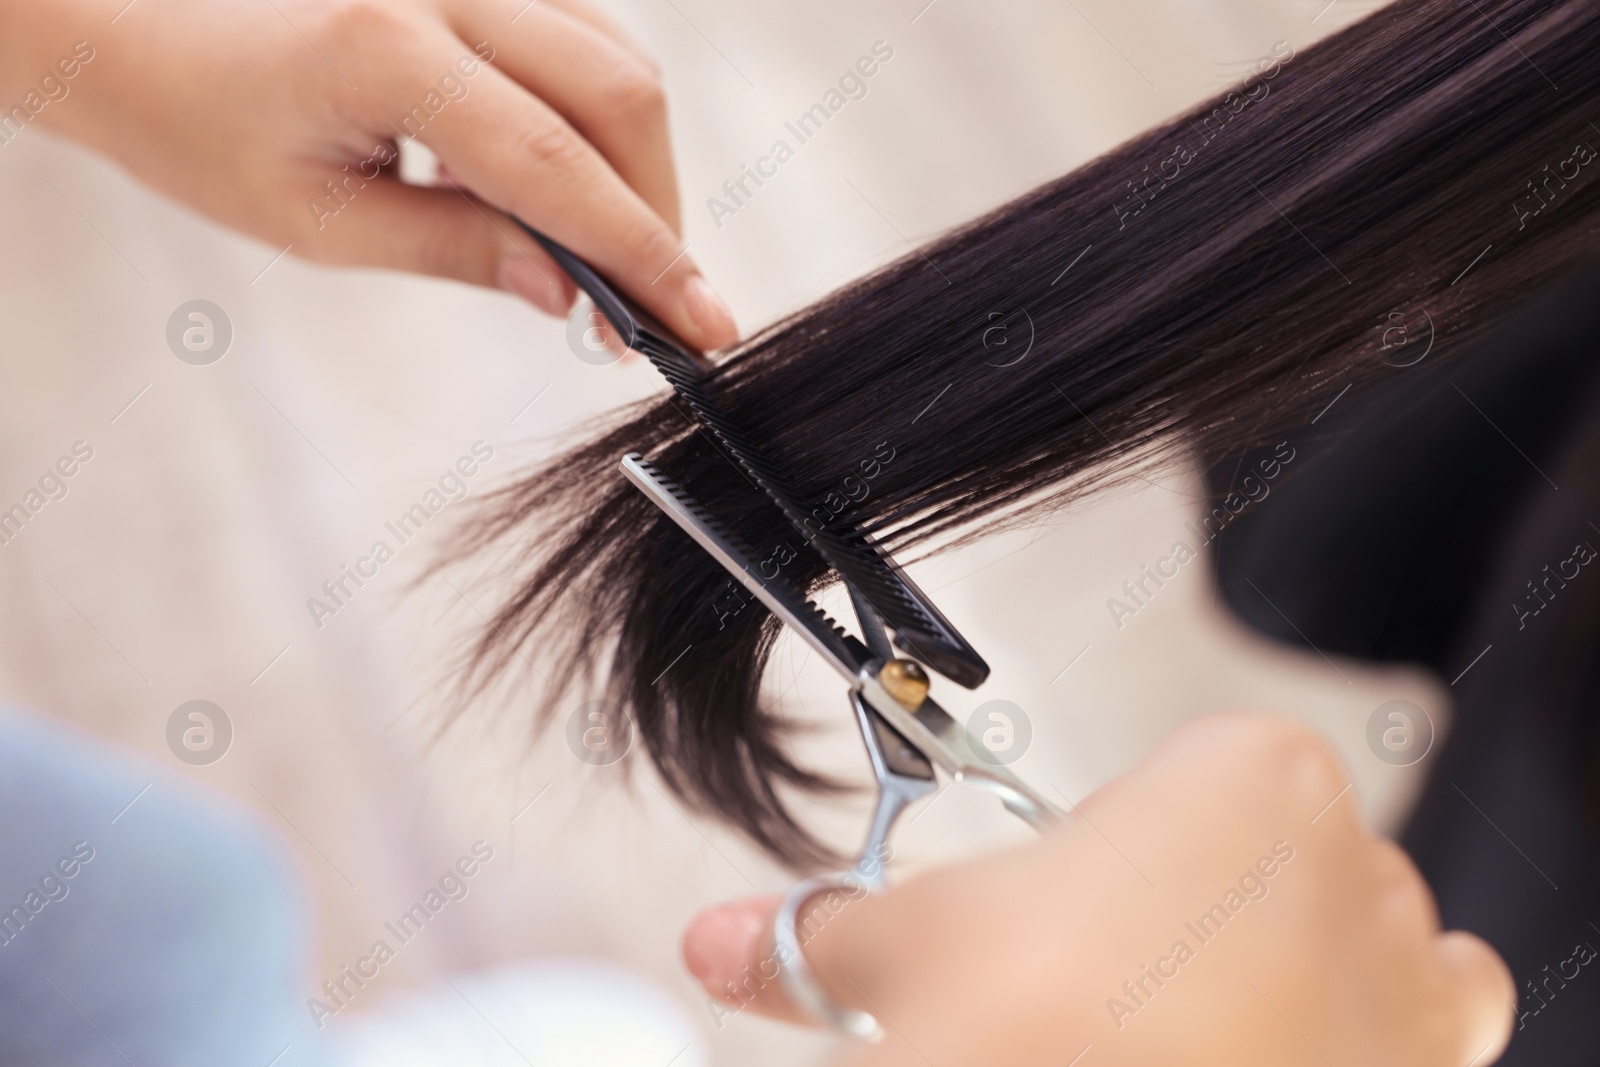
<point x="728" y="948"/>
<point x="444" y="232"/>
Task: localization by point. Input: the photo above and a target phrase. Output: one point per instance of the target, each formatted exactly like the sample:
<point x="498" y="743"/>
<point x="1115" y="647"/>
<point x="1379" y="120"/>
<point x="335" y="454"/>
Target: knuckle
<point x="1309" y="764"/>
<point x="551" y="146"/>
<point x="635" y="95"/>
<point x="357" y="23"/>
<point x="1403" y="894"/>
<point x="653" y="245"/>
<point x="1284" y="755"/>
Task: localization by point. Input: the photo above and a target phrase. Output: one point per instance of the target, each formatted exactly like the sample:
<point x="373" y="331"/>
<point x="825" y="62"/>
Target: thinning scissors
<point x="907" y="734"/>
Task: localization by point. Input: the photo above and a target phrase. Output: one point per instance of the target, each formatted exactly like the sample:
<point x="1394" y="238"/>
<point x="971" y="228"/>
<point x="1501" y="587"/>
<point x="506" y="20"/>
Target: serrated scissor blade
<point x="846" y="654"/>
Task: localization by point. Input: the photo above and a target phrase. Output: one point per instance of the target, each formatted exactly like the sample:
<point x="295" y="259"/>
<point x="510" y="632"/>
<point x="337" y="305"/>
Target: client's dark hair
<point x="1199" y="287"/>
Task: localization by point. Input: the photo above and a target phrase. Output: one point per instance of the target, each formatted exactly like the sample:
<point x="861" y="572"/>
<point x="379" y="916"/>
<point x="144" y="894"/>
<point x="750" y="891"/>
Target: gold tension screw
<point x="906" y="681"/>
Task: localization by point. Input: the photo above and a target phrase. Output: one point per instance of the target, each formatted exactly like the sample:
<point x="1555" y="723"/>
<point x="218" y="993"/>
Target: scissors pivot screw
<point x="906" y="681"/>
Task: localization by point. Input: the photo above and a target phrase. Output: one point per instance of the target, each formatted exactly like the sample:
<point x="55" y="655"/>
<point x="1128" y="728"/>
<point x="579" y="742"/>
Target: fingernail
<point x="719" y="945"/>
<point x="708" y="312"/>
<point x="547" y="293"/>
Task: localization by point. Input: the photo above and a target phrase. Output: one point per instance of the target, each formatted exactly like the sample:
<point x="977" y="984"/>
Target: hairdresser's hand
<point x="249" y="110"/>
<point x="1094" y="937"/>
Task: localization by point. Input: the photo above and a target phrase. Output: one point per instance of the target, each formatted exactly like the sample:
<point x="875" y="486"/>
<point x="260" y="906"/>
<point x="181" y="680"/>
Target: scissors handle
<point x="904" y="773"/>
<point x="904" y="776"/>
<point x="791" y="930"/>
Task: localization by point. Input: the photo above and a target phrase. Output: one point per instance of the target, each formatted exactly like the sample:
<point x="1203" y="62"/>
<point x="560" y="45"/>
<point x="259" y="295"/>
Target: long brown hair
<point x="1199" y="287"/>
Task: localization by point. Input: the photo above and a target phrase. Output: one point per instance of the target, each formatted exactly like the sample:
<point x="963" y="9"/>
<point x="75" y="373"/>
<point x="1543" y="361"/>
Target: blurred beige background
<point x="221" y="497"/>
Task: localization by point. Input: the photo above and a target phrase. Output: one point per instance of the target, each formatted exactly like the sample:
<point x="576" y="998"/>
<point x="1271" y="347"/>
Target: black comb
<point x="920" y="628"/>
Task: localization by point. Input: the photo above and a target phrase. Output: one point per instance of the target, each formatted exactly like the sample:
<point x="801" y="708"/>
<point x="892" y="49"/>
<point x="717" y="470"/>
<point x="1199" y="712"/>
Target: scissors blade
<point x="846" y="654"/>
<point x="905" y="745"/>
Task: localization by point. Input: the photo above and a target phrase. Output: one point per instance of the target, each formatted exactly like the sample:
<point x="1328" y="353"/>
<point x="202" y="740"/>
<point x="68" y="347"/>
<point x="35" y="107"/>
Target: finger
<point x="1488" y="995"/>
<point x="515" y="151"/>
<point x="588" y="13"/>
<point x="728" y="950"/>
<point x="609" y="96"/>
<point x="381" y="222"/>
<point x="608" y="26"/>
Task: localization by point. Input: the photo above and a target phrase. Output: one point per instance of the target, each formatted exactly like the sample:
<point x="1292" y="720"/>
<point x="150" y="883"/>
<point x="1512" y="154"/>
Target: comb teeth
<point x="780" y="587"/>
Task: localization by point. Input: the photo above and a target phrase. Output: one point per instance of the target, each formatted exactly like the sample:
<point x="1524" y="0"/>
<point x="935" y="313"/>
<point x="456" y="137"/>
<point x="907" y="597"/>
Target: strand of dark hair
<point x="1395" y="165"/>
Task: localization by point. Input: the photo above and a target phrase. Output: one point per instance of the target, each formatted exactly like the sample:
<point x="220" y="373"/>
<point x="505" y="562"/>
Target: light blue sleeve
<point x="141" y="922"/>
